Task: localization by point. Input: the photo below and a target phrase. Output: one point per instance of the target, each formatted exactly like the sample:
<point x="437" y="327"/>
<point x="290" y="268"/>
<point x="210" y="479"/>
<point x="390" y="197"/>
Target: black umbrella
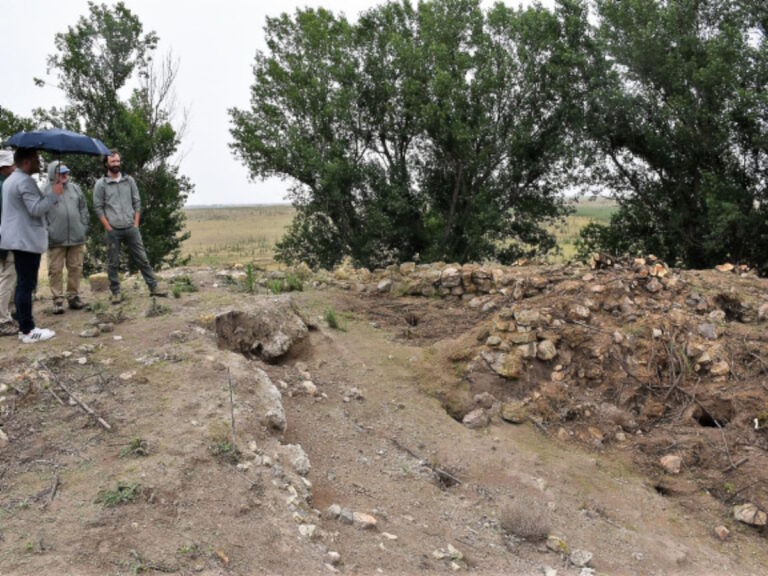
<point x="59" y="141"/>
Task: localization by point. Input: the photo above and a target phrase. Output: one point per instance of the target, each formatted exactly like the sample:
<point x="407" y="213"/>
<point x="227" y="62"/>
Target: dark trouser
<point x="132" y="239"/>
<point x="27" y="266"/>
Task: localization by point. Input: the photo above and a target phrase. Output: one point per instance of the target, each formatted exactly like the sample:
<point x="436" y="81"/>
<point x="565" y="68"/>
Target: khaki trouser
<point x="7" y="287"/>
<point x="72" y="256"/>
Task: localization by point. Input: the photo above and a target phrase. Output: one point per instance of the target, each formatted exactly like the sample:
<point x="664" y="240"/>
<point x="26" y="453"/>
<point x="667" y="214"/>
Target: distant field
<point x="228" y="235"/>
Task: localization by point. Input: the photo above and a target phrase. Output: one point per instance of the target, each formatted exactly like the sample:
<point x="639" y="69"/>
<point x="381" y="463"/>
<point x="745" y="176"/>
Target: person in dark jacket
<point x="117" y="203"/>
<point x="23" y="230"/>
<point x="67" y="229"/>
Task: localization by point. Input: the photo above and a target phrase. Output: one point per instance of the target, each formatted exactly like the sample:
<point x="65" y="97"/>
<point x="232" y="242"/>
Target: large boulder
<point x="270" y="329"/>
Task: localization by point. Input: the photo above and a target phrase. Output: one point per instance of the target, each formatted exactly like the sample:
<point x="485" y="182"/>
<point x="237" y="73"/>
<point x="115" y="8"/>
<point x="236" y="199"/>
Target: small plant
<point x="525" y="521"/>
<point x="97" y="307"/>
<point x="225" y="452"/>
<point x="250" y="279"/>
<point x="191" y="550"/>
<point x="293" y="283"/>
<point x="136" y="447"/>
<point x="156" y="309"/>
<point x="183" y="284"/>
<point x="123" y="494"/>
<point x="334" y="321"/>
<point x="275" y="286"/>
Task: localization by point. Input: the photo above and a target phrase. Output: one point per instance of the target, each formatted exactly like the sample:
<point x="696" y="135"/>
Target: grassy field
<point x="229" y="235"/>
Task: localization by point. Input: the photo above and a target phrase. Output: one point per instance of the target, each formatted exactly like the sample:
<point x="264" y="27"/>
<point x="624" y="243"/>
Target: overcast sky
<point x="215" y="43"/>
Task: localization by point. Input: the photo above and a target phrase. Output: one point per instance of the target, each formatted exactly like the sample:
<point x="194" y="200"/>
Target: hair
<point x="112" y="152"/>
<point x="22" y="154"/>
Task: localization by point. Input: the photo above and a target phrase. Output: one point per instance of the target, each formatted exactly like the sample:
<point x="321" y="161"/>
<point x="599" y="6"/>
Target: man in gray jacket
<point x="67" y="228"/>
<point x="24" y="231"/>
<point x="117" y="203"/>
<point x="7" y="270"/>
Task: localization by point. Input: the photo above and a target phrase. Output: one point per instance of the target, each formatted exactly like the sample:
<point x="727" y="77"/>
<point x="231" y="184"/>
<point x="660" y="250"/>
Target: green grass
<point x="136" y="447"/>
<point x="122" y="494"/>
<point x="156" y="309"/>
<point x="334" y="321"/>
<point x="182" y="285"/>
<point x="291" y="283"/>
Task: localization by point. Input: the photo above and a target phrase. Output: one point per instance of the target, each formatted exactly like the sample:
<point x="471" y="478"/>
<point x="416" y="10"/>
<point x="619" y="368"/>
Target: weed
<point x="291" y="283"/>
<point x="250" y="279"/>
<point x="156" y="309"/>
<point x="275" y="286"/>
<point x="225" y="452"/>
<point x="191" y="550"/>
<point x="136" y="447"/>
<point x="334" y="321"/>
<point x="123" y="494"/>
<point x="525" y="521"/>
<point x="184" y="284"/>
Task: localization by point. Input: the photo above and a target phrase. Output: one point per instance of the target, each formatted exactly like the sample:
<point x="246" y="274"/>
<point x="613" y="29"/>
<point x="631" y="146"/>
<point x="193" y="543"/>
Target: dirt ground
<point x="383" y="436"/>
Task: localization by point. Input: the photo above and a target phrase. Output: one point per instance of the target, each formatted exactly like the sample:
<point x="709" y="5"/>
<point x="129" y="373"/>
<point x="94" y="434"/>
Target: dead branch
<point x="52" y="494"/>
<point x="77" y="400"/>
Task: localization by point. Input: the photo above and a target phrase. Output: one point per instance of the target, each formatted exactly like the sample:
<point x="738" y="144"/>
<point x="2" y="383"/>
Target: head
<point x="6" y="163"/>
<point x="112" y="162"/>
<point x="27" y="160"/>
<point x="59" y="169"/>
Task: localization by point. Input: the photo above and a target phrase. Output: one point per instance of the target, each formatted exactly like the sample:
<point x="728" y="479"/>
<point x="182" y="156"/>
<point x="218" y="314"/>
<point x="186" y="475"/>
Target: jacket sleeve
<point x="135" y="198"/>
<point x="36" y="204"/>
<point x="98" y="198"/>
<point x="83" y="205"/>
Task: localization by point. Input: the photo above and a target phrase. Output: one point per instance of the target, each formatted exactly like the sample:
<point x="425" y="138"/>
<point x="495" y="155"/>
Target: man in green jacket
<point x="7" y="268"/>
<point x="118" y="206"/>
<point x="67" y="228"/>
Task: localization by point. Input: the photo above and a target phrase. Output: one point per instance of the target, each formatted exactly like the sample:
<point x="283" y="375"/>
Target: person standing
<point x="117" y="204"/>
<point x="24" y="232"/>
<point x="7" y="270"/>
<point x="67" y="228"/>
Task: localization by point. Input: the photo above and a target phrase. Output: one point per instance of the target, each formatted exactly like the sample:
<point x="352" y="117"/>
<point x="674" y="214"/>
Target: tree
<point x="10" y="123"/>
<point x="678" y="107"/>
<point x="96" y="60"/>
<point x="439" y="131"/>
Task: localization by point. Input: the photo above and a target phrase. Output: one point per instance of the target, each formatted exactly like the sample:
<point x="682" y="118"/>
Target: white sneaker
<point x="37" y="335"/>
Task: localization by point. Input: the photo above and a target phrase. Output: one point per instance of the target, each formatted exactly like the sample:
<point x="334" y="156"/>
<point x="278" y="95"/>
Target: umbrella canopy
<point x="59" y="141"/>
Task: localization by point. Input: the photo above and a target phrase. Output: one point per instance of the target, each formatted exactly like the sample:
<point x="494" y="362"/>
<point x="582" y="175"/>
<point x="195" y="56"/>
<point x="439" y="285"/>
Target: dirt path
<point x="165" y="383"/>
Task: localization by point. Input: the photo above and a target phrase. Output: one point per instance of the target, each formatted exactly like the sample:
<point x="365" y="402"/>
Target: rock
<point x="347" y="517"/>
<point x="354" y="394"/>
<point x="528" y="317"/>
<point x="364" y="521"/>
<point x="653" y="286"/>
<point x="519" y="338"/>
<point x="546" y="350"/>
<point x="447" y="553"/>
<point x="722" y="533"/>
<point x="717" y="316"/>
<point x="334" y="558"/>
<point x="557" y="544"/>
<point x="90" y="333"/>
<point x="384" y="285"/>
<point x="656" y="333"/>
<point x="333" y="511"/>
<point x="549" y="571"/>
<point x="297" y="457"/>
<point x="450" y="277"/>
<point x="708" y="331"/>
<point x="485" y="400"/>
<point x="671" y="463"/>
<point x="750" y="514"/>
<point x="528" y="351"/>
<point x="309" y="387"/>
<point x="269" y="330"/>
<point x="308" y="530"/>
<point x="493" y="341"/>
<point x="407" y="268"/>
<point x="125" y="376"/>
<point x="580" y="312"/>
<point x="99" y="282"/>
<point x="389" y="536"/>
<point x="476" y="419"/>
<point x="727" y="267"/>
<point x="507" y="365"/>
<point x="268" y="401"/>
<point x="514" y="412"/>
<point x="3" y="439"/>
<point x="762" y="312"/>
<point x="721" y="368"/>
<point x="580" y="558"/>
<point x="106" y="327"/>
